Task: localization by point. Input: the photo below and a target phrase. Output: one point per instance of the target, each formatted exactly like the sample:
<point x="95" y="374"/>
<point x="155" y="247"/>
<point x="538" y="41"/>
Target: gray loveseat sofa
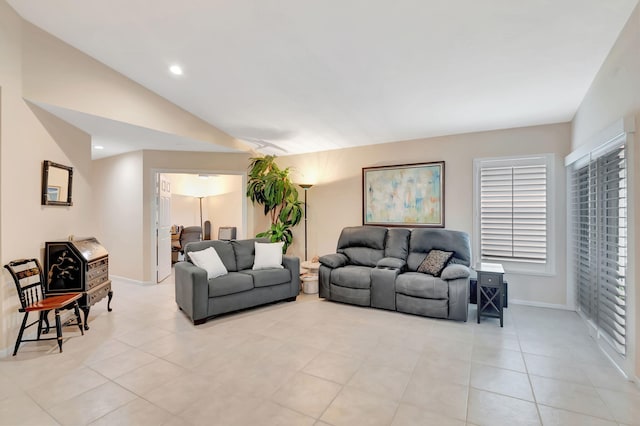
<point x="201" y="298"/>
<point x="378" y="267"/>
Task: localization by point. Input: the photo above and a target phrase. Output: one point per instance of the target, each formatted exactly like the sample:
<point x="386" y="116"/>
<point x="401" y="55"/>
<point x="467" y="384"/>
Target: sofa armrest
<point x="192" y="291"/>
<point x="334" y="260"/>
<point x="458" y="299"/>
<point x="391" y="263"/>
<point x="453" y="272"/>
<point x="292" y="263"/>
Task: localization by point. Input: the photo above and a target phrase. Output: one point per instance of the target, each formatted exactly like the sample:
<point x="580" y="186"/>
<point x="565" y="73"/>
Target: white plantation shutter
<point x="513" y="217"/>
<point x="598" y="191"/>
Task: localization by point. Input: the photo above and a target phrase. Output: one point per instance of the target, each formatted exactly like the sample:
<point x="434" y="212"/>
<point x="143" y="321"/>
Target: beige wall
<point x="117" y="197"/>
<point x="335" y="201"/>
<point x="28" y="136"/>
<point x="615" y="94"/>
<point x="185" y="210"/>
<point x="226" y="209"/>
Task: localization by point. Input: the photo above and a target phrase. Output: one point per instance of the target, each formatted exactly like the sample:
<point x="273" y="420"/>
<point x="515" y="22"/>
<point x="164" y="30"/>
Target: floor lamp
<point x="305" y="186"/>
<point x="201" y="224"/>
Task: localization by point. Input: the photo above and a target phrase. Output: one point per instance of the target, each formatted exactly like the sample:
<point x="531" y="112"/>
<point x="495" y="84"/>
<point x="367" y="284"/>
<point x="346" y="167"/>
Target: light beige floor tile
<point x="145" y="379"/>
<point x="331" y="366"/>
<point x="353" y="406"/>
<point x="409" y="415"/>
<point x="222" y="408"/>
<point x="498" y="380"/>
<point x="19" y="409"/>
<point x="91" y="405"/>
<point x="557" y="417"/>
<point x="120" y="364"/>
<point x="66" y="387"/>
<point x="486" y="408"/>
<point x="398" y="357"/>
<point x="610" y="378"/>
<point x="569" y="396"/>
<point x="625" y="406"/>
<point x="556" y="368"/>
<point x="272" y="414"/>
<point x="142" y="336"/>
<point x="443" y="398"/>
<point x="498" y="357"/>
<point x="448" y="348"/>
<point x="176" y="395"/>
<point x="138" y="412"/>
<point x="378" y="379"/>
<point x="443" y="370"/>
<point x="102" y="350"/>
<point x="307" y="394"/>
<point x="496" y="340"/>
<point x="292" y="355"/>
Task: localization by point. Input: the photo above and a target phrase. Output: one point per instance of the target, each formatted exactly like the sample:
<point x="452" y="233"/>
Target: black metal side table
<point x="490" y="291"/>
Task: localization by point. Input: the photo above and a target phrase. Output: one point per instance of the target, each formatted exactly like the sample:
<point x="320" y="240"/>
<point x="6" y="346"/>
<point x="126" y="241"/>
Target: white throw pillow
<point x="208" y="260"/>
<point x="268" y="256"/>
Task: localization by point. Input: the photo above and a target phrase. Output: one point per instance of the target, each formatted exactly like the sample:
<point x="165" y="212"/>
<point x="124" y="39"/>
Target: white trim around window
<point x="513" y="215"/>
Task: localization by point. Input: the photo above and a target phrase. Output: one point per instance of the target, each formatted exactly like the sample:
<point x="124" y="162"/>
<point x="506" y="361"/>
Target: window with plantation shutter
<point x="512" y="217"/>
<point x="598" y="209"/>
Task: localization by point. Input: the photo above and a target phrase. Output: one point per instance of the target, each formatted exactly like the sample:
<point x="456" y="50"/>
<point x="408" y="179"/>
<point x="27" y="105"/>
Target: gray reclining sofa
<point x="378" y="267"/>
<point x="201" y="298"/>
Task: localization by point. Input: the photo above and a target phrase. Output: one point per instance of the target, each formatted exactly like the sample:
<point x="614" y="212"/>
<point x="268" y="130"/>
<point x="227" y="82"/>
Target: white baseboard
<point x="131" y="281"/>
<point x="541" y="304"/>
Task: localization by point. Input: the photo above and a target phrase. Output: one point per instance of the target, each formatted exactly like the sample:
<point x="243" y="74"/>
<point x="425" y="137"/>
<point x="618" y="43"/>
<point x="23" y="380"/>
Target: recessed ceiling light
<point x="98" y="147"/>
<point x="175" y="69"/>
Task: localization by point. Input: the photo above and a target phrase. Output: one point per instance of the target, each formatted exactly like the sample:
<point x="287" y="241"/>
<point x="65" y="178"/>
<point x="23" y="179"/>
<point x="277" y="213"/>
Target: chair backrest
<point x="363" y="245"/>
<point x="29" y="280"/>
<point x="227" y="233"/>
<point x="207" y="230"/>
<point x="190" y="234"/>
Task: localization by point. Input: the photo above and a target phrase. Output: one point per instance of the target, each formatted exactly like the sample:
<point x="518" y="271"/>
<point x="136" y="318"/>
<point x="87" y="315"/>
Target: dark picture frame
<point x="57" y="184"/>
<point x="405" y="195"/>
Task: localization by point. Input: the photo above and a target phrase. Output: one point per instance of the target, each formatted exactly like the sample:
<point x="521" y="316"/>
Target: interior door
<point x="164" y="228"/>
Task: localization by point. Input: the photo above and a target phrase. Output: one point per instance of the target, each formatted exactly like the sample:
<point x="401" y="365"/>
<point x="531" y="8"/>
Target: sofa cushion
<point x="435" y="262"/>
<point x="233" y="282"/>
<point x="362" y="236"/>
<point x="363" y="245"/>
<point x="397" y="244"/>
<point x="422" y="285"/>
<point x="422" y="241"/>
<point x="363" y="256"/>
<point x="208" y="260"/>
<point x="391" y="262"/>
<point x="453" y="272"/>
<point x="267" y="256"/>
<point x="245" y="251"/>
<point x="223" y="248"/>
<point x="334" y="260"/>
<point x="352" y="276"/>
<point x="268" y="277"/>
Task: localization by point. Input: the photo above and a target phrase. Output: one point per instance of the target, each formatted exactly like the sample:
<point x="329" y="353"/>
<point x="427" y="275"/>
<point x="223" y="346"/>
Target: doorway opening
<point x="200" y="203"/>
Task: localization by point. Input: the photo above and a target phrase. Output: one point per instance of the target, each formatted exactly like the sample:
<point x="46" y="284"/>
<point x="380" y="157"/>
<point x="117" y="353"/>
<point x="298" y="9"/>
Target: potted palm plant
<point x="271" y="187"/>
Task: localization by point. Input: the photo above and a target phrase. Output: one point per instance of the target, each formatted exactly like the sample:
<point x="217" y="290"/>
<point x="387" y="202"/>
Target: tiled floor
<point x="313" y="363"/>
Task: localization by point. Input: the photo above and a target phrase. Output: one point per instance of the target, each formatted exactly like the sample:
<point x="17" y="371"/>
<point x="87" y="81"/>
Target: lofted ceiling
<point x="297" y="76"/>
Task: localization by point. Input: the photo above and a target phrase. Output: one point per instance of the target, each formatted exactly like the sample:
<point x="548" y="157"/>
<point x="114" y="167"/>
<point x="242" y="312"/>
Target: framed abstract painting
<point x="408" y="195"/>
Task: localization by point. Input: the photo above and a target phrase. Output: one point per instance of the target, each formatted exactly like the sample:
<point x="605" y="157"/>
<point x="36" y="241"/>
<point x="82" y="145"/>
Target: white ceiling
<point x="315" y="75"/>
<point x="117" y="137"/>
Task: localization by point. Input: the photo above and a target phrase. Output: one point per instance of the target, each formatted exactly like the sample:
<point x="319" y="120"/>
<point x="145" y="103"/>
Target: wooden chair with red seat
<point x="29" y="279"/>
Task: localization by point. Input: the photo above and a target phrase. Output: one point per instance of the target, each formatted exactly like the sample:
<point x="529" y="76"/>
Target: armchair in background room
<point x="187" y="235"/>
